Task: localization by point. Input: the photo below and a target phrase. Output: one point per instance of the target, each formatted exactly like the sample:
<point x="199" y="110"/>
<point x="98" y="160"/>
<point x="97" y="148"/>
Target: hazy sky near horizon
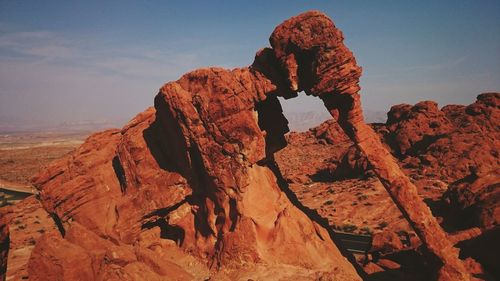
<point x="65" y="61"/>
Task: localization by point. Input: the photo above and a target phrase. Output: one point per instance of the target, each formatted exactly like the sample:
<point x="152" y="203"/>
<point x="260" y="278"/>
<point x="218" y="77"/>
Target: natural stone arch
<point x="307" y="54"/>
<point x="311" y="57"/>
<point x="196" y="163"/>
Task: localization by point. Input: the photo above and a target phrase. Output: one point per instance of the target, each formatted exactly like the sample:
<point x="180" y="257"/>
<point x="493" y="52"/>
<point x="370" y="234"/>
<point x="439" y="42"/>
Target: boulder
<point x="475" y="200"/>
<point x="386" y="242"/>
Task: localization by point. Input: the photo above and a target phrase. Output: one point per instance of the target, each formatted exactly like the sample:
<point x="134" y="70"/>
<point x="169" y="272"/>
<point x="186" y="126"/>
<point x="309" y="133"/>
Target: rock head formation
<point x="190" y="189"/>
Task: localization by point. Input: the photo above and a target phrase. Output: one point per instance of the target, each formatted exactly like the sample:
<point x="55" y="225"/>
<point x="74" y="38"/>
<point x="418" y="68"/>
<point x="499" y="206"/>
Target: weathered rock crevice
<point x="4" y="247"/>
<point x="59" y="224"/>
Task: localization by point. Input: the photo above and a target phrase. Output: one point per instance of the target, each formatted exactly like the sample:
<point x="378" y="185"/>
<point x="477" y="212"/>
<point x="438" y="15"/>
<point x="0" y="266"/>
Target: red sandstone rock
<point x="197" y="167"/>
<point x="467" y="234"/>
<point x="56" y="259"/>
<point x="414" y="128"/>
<point x="448" y="142"/>
<point x="314" y="59"/>
<point x="475" y="200"/>
<point x="330" y="132"/>
<point x="198" y="171"/>
<point x="83" y="255"/>
<point x="430" y="177"/>
<point x="474" y="143"/>
<point x="388" y="264"/>
<point x="27" y="221"/>
<point x="4" y="246"/>
<point x="443" y="144"/>
<point x="371" y="268"/>
<point x="352" y="165"/>
<point x="386" y="242"/>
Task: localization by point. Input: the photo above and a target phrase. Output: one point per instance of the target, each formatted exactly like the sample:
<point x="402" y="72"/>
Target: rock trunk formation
<point x="310" y="50"/>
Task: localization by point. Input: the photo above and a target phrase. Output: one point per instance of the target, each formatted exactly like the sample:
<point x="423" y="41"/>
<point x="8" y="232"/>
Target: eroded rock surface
<point x="4" y="247"/>
<point x="190" y="188"/>
<point x="198" y="170"/>
<point x="450" y="142"/>
<point x="361" y="205"/>
<point x="475" y="200"/>
<point x="27" y="221"/>
<point x="315" y="61"/>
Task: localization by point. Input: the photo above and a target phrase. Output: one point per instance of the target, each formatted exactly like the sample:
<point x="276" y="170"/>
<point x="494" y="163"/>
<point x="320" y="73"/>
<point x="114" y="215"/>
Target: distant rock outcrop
<point x="448" y="144"/>
<point x="413" y="128"/>
<point x="333" y="157"/>
<point x="441" y="140"/>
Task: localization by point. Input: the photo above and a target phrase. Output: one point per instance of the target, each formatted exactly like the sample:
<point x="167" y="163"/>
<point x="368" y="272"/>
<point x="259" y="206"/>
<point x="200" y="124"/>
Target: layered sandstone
<point x="27" y="221"/>
<point x="196" y="170"/>
<point x="447" y="143"/>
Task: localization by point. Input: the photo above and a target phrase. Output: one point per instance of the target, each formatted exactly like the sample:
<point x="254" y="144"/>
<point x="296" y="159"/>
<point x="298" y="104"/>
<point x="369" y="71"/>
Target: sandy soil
<point x="24" y="154"/>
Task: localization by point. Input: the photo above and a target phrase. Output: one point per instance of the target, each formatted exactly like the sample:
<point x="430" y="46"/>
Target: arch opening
<point x="304" y="112"/>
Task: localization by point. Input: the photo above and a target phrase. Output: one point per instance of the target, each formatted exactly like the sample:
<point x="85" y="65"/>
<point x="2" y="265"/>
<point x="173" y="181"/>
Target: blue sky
<point x="92" y="60"/>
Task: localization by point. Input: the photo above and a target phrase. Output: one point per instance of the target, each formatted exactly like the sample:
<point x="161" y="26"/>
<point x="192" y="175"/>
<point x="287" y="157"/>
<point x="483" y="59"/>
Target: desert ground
<point x="23" y="154"/>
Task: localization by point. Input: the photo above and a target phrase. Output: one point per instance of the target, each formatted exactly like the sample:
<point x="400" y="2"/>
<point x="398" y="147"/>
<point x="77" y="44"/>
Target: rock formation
<point x="4" y="247"/>
<point x="448" y="144"/>
<point x="190" y="188"/>
<point x="316" y="62"/>
<point x="332" y="159"/>
<point x="475" y="200"/>
<point x="440" y="140"/>
<point x="196" y="168"/>
<point x="413" y="128"/>
<point x="27" y="222"/>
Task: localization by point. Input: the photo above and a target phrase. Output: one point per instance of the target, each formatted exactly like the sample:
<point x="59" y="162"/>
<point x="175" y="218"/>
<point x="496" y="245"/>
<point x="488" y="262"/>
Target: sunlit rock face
<point x="192" y="176"/>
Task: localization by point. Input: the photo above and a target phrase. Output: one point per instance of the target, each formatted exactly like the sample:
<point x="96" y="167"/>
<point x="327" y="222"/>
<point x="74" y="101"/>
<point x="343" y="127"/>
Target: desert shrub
<point x="362" y="197"/>
<point x="366" y="230"/>
<point x="383" y="224"/>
